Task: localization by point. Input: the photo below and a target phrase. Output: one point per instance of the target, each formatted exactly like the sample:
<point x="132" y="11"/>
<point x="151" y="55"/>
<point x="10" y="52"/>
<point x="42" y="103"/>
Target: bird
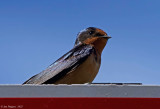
<point x="78" y="66"/>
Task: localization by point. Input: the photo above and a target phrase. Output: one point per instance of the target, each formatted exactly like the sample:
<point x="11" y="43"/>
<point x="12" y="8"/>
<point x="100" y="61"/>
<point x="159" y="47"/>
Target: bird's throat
<point x="98" y="43"/>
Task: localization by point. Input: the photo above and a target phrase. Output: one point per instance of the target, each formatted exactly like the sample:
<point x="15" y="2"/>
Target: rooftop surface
<point x="79" y="90"/>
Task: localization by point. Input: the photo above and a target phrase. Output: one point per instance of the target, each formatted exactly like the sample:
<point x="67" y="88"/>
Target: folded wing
<point x="63" y="65"/>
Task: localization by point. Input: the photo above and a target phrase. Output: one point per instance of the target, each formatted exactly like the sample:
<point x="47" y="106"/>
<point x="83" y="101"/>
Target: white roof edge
<point x="80" y="90"/>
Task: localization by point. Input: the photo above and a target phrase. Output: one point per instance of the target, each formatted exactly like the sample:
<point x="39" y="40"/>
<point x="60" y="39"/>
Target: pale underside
<point x="84" y="73"/>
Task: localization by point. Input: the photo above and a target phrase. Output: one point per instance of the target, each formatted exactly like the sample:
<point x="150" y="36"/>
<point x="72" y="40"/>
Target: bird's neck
<point x="97" y="43"/>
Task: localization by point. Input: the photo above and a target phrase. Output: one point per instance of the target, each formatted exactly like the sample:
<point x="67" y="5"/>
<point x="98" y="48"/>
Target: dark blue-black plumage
<point x="63" y="65"/>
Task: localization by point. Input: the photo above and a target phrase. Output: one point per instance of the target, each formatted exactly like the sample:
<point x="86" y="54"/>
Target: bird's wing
<point x="63" y="65"/>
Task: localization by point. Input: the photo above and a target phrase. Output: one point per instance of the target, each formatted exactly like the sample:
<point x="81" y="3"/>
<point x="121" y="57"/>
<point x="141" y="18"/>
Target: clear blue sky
<point x="35" y="33"/>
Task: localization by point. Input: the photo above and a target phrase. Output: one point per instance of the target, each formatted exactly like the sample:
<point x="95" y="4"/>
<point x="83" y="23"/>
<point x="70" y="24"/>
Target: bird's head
<point x="94" y="36"/>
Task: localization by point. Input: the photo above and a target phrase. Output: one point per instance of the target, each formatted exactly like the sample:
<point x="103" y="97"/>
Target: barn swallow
<point x="78" y="66"/>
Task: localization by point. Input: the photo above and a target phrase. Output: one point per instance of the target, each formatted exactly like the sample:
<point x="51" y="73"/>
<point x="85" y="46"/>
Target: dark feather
<point x="63" y="65"/>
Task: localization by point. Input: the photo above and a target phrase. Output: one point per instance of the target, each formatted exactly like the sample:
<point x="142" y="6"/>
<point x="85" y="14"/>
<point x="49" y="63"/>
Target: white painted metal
<point x="86" y="90"/>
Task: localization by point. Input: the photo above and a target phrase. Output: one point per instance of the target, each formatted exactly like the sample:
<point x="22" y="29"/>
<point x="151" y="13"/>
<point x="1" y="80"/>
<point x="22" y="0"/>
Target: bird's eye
<point x="91" y="32"/>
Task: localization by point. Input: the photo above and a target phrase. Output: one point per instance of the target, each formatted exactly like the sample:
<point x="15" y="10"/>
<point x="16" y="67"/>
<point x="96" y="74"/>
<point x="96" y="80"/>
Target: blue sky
<point x="35" y="33"/>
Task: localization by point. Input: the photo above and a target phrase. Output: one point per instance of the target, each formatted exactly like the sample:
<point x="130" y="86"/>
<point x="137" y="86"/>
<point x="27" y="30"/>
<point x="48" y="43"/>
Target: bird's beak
<point x="106" y="36"/>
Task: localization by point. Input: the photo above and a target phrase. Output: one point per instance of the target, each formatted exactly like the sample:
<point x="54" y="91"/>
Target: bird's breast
<point x="84" y="73"/>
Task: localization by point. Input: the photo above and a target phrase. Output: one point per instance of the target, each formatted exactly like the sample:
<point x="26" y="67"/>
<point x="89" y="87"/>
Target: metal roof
<point x="77" y="90"/>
